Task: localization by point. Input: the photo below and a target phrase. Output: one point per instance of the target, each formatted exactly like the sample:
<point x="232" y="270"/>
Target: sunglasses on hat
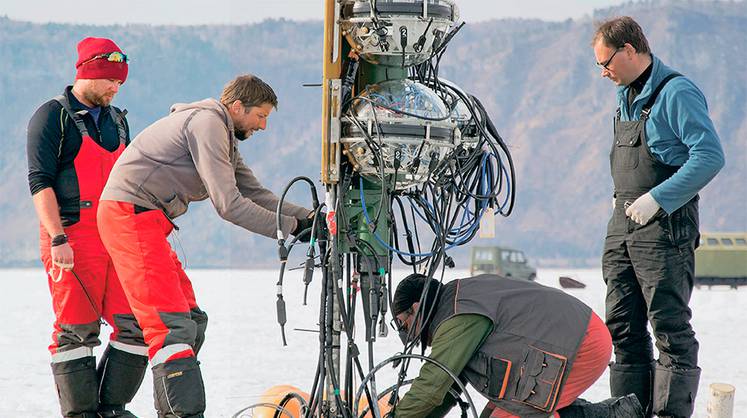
<point x="110" y="56"/>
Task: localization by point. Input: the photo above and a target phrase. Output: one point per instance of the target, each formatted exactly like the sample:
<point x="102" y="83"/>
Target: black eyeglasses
<point x="606" y="63"/>
<point x="399" y="325"/>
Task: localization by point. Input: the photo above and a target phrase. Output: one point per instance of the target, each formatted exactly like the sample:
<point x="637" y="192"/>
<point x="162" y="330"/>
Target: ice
<point x="243" y="353"/>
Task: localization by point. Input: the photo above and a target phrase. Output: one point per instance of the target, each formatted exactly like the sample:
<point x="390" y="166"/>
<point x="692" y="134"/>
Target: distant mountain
<point x="537" y="80"/>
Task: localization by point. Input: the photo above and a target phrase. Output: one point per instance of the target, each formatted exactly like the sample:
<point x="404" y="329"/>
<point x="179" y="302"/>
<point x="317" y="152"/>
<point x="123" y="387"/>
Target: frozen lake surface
<point x="243" y="354"/>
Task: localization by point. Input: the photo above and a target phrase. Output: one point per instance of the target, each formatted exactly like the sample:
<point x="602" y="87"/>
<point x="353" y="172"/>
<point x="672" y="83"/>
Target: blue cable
<point x="469" y="221"/>
<point x="378" y="238"/>
<point x="404" y="253"/>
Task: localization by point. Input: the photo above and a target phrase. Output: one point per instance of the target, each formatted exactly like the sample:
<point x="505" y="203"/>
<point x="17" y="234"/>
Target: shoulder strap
<point x="651" y="100"/>
<point x="65" y="103"/>
<point x="62" y="133"/>
<point x="118" y="118"/>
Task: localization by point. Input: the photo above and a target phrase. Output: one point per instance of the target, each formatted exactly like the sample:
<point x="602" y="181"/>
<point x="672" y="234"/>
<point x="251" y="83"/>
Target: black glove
<point x="302" y="225"/>
<point x="321" y="227"/>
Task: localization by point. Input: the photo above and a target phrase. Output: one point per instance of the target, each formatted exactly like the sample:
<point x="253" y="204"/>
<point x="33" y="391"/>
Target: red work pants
<point x="157" y="288"/>
<point x="592" y="359"/>
<point x="79" y="302"/>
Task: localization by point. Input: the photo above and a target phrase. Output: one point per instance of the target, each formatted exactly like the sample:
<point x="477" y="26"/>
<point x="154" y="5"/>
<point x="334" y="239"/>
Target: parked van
<point x="721" y="259"/>
<point x="503" y="261"/>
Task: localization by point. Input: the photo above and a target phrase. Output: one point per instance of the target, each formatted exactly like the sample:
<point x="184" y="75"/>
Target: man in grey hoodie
<point x="190" y="155"/>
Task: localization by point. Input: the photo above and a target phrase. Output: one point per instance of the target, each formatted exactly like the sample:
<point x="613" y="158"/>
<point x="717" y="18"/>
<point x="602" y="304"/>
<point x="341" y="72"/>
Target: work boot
<point x="675" y="391"/>
<point x="116" y="413"/>
<point x="622" y="407"/>
<point x="626" y="406"/>
<point x="76" y="387"/>
<point x="574" y="410"/>
<point x="633" y="378"/>
<point x="120" y="374"/>
<point x="178" y="389"/>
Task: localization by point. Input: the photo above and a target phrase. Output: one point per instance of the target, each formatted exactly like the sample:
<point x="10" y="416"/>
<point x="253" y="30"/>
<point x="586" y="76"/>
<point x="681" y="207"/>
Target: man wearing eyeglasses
<point x="190" y="155"/>
<point x="73" y="141"/>
<point x="529" y="349"/>
<point x="665" y="149"/>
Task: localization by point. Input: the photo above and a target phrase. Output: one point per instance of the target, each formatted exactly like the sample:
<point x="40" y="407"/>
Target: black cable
<point x="280" y="303"/>
<point x="279" y="210"/>
<point x="88" y="296"/>
<point x="468" y="180"/>
<point x="400" y="111"/>
<point x="407" y="357"/>
<point x="316" y="395"/>
<point x="381" y="169"/>
<point x="277" y="408"/>
<point x="303" y="405"/>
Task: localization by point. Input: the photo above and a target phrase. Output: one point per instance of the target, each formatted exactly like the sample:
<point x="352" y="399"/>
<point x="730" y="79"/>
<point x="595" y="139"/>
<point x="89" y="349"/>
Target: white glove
<point x="613" y="203"/>
<point x="643" y="209"/>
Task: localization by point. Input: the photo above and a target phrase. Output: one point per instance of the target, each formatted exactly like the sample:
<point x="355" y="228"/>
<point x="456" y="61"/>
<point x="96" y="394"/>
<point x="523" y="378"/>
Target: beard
<point x="240" y="134"/>
<point x="101" y="100"/>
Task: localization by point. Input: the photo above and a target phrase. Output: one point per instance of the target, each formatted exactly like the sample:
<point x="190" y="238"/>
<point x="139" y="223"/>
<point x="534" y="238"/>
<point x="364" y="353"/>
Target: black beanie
<point x="409" y="291"/>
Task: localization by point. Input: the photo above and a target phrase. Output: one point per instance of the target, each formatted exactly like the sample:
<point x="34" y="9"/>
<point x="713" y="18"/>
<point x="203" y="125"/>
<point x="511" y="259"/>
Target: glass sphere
<point x="404" y="96"/>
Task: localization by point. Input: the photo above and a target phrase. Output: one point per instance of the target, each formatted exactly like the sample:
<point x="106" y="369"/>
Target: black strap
<point x="65" y="103"/>
<point x="118" y="118"/>
<point x="651" y="100"/>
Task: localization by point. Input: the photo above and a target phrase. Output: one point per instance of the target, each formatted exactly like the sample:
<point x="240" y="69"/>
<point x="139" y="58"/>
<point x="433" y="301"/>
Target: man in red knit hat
<point x="73" y="141"/>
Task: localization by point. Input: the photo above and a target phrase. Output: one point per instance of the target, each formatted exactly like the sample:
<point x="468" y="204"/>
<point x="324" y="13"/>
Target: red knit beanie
<point x="90" y="67"/>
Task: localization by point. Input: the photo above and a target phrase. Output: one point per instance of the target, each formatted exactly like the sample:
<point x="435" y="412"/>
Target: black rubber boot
<point x="115" y="412"/>
<point x="622" y="407"/>
<point x="76" y="387"/>
<point x="178" y="389"/>
<point x="633" y="378"/>
<point x="574" y="410"/>
<point x="675" y="391"/>
<point x="120" y="374"/>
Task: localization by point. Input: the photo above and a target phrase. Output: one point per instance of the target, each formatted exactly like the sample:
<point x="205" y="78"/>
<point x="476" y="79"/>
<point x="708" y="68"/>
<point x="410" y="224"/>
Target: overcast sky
<point x="194" y="12"/>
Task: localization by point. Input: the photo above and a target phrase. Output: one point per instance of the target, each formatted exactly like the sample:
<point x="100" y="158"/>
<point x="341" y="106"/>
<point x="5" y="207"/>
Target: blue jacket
<point x="679" y="132"/>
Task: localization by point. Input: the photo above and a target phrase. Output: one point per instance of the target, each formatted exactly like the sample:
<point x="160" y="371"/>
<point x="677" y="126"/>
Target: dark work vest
<point x="523" y="363"/>
<point x="635" y="170"/>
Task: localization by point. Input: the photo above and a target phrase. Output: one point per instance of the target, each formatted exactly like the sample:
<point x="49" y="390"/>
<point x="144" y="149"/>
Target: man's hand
<point x="643" y="209"/>
<point x="62" y="256"/>
<point x="302" y="225"/>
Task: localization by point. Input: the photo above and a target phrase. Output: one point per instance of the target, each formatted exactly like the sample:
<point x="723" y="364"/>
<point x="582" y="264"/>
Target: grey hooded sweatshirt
<point x="188" y="156"/>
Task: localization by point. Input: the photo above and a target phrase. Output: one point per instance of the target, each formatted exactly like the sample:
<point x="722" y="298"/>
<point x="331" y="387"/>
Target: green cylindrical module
<point x="373" y="232"/>
<point x="372" y="74"/>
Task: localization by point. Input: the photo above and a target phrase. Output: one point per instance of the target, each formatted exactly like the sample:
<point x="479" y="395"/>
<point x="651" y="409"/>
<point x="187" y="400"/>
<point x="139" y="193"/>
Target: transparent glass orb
<point x="402" y="95"/>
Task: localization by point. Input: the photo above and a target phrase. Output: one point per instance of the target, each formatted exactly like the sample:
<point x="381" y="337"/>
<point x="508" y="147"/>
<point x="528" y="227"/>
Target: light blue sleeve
<point x="687" y="112"/>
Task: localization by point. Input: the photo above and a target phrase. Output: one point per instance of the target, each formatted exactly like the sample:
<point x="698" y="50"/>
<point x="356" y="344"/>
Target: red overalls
<point x="80" y="302"/>
<point x="163" y="301"/>
<point x="156" y="285"/>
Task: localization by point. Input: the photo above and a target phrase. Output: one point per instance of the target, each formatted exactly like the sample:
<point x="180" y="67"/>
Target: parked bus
<point x="721" y="259"/>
